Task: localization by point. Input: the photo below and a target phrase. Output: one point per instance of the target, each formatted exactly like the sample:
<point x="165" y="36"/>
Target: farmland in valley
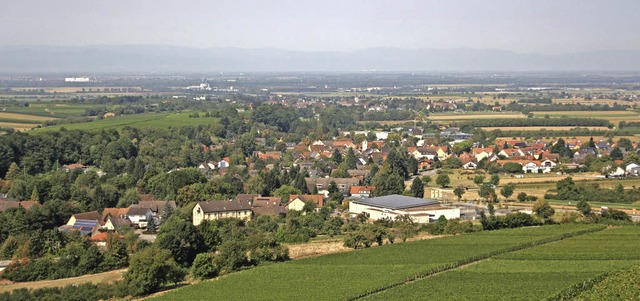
<point x="353" y="274"/>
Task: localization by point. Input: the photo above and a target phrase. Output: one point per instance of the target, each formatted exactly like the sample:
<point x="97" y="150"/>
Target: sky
<point x="535" y="26"/>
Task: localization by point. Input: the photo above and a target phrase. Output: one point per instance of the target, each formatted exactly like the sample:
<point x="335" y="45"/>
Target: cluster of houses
<point x="96" y="224"/>
<point x="247" y="206"/>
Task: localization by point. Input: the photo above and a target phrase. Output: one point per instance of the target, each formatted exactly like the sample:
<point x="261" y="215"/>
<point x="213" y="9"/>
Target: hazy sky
<point x="547" y="26"/>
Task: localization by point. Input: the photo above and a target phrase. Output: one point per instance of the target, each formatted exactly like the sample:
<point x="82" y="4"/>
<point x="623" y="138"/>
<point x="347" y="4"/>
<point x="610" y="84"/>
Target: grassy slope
<point x="340" y="276"/>
<point x="531" y="274"/>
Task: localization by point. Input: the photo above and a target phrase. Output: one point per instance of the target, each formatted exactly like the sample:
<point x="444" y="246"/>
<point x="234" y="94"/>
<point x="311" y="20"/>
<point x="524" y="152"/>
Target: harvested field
<point x="5" y="115"/>
<point x="17" y="126"/>
<point x="106" y="277"/>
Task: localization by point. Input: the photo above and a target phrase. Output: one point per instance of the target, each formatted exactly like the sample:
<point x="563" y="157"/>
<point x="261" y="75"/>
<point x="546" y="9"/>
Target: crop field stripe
<point x="471" y="260"/>
<point x="573" y="291"/>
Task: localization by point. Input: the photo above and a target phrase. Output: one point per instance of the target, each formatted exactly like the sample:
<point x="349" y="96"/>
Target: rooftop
<point x="396" y="201"/>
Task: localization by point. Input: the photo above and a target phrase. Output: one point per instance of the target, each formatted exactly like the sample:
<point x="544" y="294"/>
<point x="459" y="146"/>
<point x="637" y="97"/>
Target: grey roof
<point x="396" y="201"/>
<point x="137" y="211"/>
<point x="221" y="206"/>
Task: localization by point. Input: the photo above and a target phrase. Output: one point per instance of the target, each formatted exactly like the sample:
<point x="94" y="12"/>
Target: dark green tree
<point x="443" y="180"/>
<point x="417" y="188"/>
<point x="181" y="238"/>
<point x="150" y="269"/>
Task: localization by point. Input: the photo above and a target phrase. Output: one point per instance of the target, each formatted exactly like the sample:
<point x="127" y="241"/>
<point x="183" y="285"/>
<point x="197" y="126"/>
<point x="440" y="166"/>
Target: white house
<point x="632" y="169"/>
<point x="470" y="165"/>
<point x="391" y="206"/>
<point x="139" y="216"/>
<point x="223" y="163"/>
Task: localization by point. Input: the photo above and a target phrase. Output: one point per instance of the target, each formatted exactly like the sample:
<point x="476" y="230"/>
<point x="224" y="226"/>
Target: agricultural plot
<point x="532" y="274"/>
<point x="347" y="275"/>
<point x="548" y="128"/>
<point x="153" y="120"/>
<point x="612" y="116"/>
<point x="623" y="285"/>
<point x="51" y="110"/>
<point x="473" y="116"/>
<point x="21" y="122"/>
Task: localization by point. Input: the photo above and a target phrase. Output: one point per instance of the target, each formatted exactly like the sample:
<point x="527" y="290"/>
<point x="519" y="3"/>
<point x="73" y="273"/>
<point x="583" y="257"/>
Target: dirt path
<point x="106" y="277"/>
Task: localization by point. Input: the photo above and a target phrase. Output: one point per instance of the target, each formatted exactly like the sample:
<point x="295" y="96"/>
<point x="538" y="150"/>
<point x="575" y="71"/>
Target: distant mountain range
<point x="23" y="59"/>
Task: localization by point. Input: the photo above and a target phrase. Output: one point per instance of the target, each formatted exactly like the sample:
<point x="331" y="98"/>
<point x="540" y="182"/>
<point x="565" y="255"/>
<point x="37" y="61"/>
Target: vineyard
<point x="365" y="272"/>
<point x="555" y="271"/>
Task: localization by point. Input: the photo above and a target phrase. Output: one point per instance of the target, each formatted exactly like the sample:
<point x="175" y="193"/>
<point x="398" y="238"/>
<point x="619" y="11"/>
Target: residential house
<point x="87" y="223"/>
<point x="72" y="167"/>
<point x="361" y="191"/>
<point x="157" y="206"/>
<point x="359" y="174"/>
<point x="139" y="216"/>
<point x="271" y="206"/>
<point x="214" y="210"/>
<point x="632" y="169"/>
<point x="273" y="155"/>
<point x="100" y="239"/>
<point x="12" y="203"/>
<point x="224" y="163"/>
<point x="206" y="167"/>
<point x="298" y="201"/>
<point x="322" y="184"/>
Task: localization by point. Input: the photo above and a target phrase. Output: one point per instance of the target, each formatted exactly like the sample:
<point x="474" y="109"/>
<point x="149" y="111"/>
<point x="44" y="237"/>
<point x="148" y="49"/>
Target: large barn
<point x="390" y="206"/>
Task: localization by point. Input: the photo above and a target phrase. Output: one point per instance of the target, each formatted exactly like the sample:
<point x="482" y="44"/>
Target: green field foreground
<point x="358" y="273"/>
<point x="542" y="272"/>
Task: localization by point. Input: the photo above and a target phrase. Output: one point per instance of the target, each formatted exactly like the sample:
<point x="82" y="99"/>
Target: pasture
<point x="536" y="273"/>
<point x="348" y="275"/>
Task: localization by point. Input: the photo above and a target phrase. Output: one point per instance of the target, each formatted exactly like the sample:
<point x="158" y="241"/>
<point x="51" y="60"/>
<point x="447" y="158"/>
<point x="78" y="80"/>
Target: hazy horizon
<point x="545" y="27"/>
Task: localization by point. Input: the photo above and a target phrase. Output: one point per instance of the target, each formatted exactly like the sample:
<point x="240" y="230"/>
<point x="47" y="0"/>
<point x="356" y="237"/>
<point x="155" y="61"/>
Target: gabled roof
<point x="318" y="199"/>
<point x="223" y="206"/>
<point x="266" y="201"/>
<point x="29" y="204"/>
<point x="4" y="205"/>
<point x="137" y="211"/>
<point x="246" y="198"/>
<point x="396" y="201"/>
<point x="358" y="189"/>
<point x="92" y="215"/>
<point x="119" y="222"/>
<point x="113" y="212"/>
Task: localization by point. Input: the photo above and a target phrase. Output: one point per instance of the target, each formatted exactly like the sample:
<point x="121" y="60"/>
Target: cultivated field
<point x="536" y="273"/>
<point x="548" y="128"/>
<point x="352" y="274"/>
<point x="157" y="120"/>
<point x="613" y="116"/>
<point x="622" y="285"/>
<point x="473" y="115"/>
